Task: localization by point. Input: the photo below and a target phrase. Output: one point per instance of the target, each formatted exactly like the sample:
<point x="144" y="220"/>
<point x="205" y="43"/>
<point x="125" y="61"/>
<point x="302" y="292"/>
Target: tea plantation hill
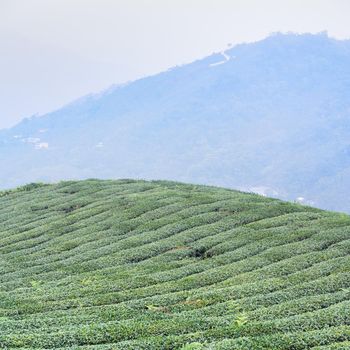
<point x="162" y="265"/>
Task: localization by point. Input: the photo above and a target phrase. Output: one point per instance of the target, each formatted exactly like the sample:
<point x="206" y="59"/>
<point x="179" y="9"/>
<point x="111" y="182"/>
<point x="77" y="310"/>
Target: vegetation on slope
<point x="162" y="265"/>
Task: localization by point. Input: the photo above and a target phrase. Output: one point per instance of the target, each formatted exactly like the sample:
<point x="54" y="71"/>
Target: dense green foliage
<point x="160" y="265"/>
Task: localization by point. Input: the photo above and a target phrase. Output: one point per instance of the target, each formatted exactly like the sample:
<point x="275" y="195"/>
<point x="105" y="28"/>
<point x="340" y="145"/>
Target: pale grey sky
<point x="52" y="52"/>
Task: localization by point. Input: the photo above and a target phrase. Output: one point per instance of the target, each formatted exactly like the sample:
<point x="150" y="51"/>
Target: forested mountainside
<point x="271" y="117"/>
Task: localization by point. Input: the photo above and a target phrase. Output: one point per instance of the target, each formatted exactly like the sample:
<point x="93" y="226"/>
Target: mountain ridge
<point x="273" y="118"/>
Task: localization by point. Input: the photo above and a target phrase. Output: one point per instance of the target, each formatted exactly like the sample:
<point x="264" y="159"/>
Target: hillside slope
<point x="158" y="265"/>
<point x="271" y="116"/>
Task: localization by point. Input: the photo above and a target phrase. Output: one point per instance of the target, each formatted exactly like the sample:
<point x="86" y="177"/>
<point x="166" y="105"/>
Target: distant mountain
<point x="271" y="117"/>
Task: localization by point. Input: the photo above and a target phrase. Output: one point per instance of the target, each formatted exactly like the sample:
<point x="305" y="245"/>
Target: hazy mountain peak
<point x="271" y="115"/>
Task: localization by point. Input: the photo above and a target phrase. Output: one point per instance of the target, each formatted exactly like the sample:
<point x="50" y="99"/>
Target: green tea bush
<point x="162" y="265"/>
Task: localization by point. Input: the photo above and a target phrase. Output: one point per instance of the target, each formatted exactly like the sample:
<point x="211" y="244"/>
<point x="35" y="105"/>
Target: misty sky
<point x="52" y="52"/>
